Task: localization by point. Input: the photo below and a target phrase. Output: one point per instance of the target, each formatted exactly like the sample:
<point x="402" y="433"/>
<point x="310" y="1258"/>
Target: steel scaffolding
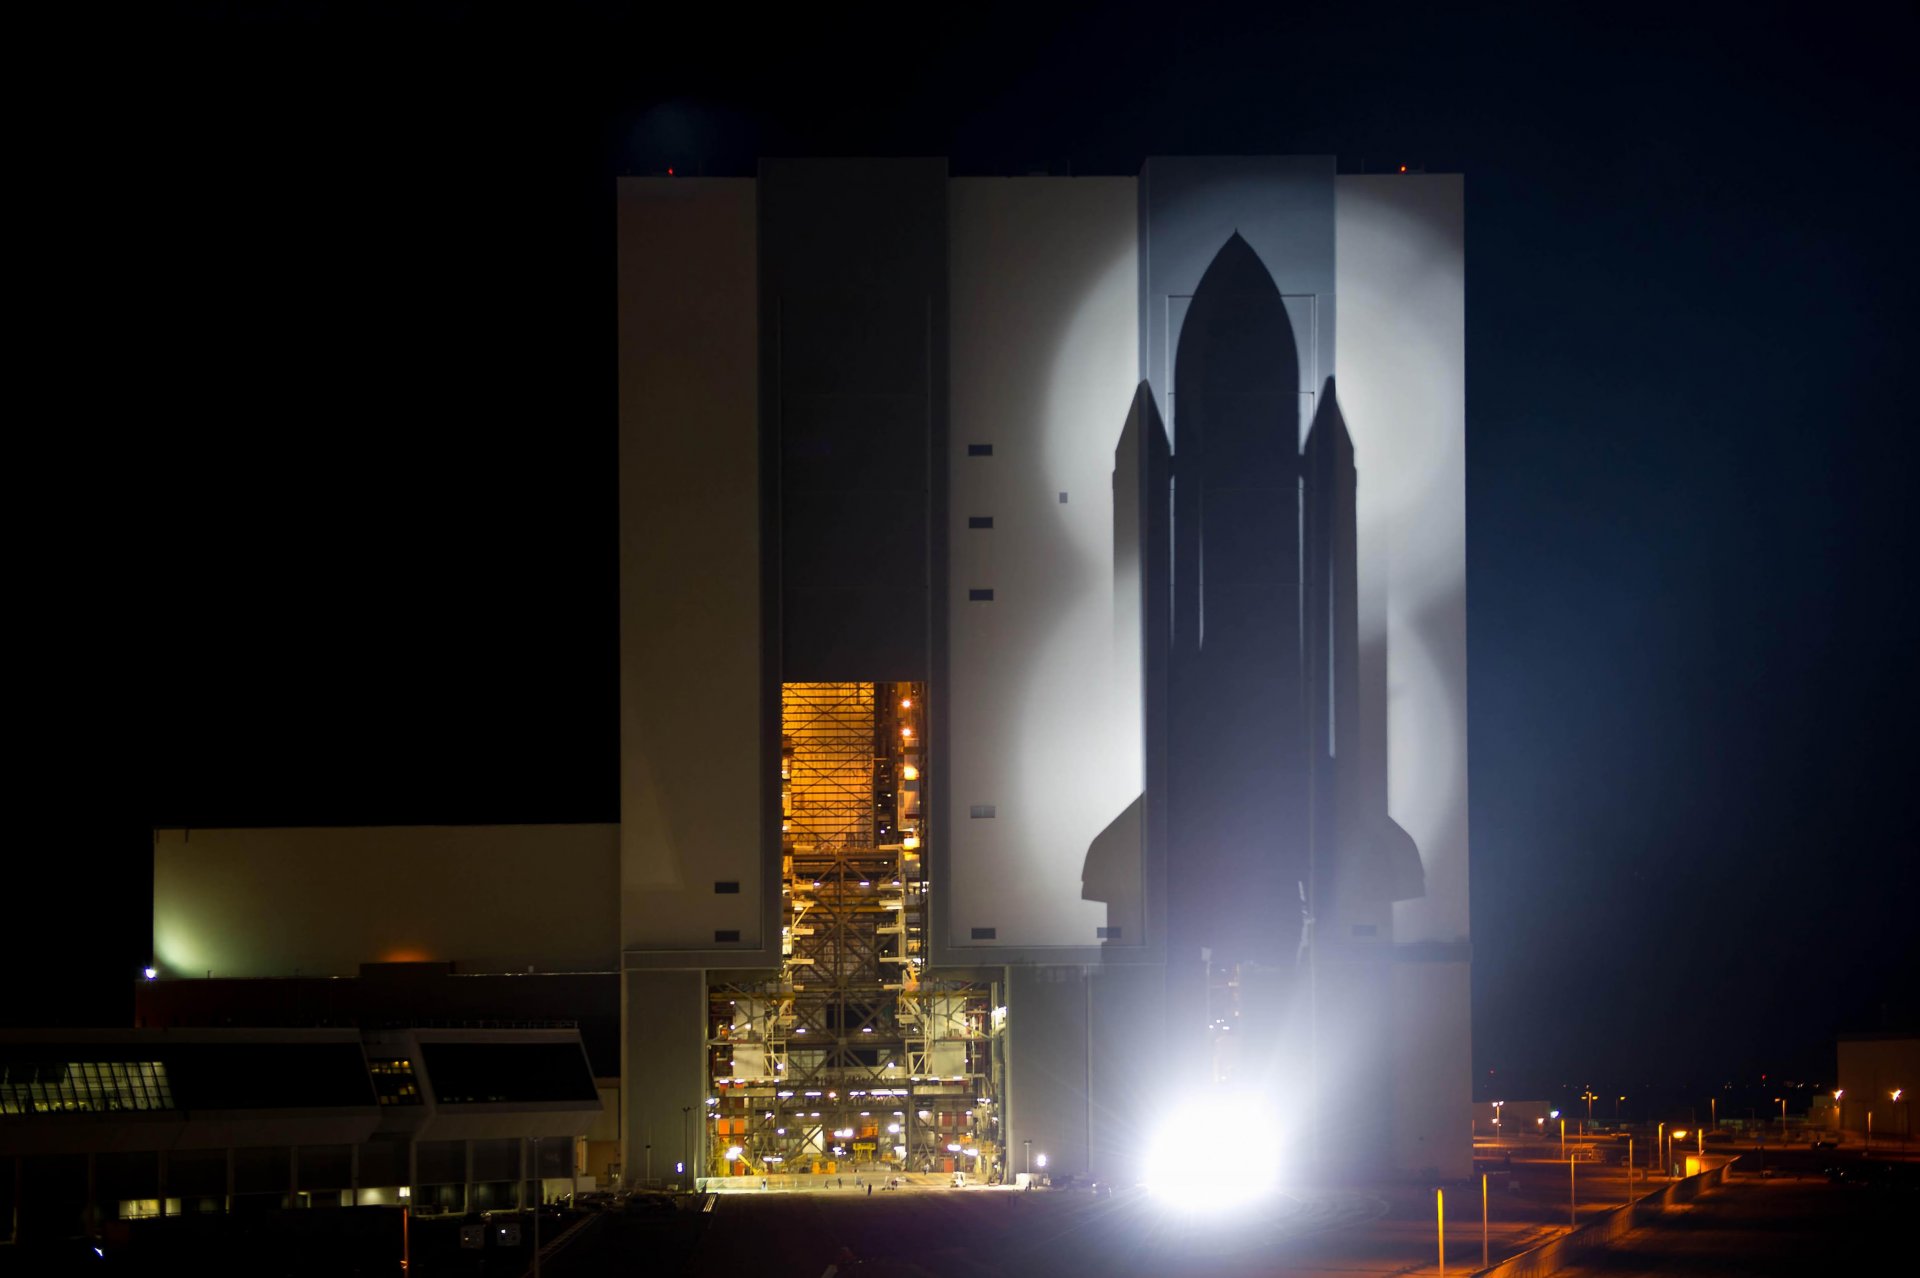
<point x="853" y="1059"/>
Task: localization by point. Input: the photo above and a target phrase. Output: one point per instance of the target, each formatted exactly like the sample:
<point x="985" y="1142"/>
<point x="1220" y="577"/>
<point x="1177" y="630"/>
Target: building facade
<point x="99" y="1126"/>
<point x="1042" y="684"/>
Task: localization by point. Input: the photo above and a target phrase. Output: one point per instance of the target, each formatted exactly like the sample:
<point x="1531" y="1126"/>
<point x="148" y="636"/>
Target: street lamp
<point x="1783" y="1116"/>
<point x="1496" y="1121"/>
<point x="1027" y="1147"/>
<point x="1589" y="1098"/>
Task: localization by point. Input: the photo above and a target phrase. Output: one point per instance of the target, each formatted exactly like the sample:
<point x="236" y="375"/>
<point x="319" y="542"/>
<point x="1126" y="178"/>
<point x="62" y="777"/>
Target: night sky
<point x="345" y="288"/>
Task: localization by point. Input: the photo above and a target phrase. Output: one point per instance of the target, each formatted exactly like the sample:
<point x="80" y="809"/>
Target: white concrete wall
<point x="1400" y="372"/>
<point x="690" y="617"/>
<point x="320" y="902"/>
<point x="1045" y="708"/>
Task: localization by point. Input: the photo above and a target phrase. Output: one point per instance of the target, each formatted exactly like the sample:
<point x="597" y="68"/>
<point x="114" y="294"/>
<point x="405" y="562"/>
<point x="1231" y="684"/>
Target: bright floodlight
<point x="734" y="1152"/>
<point x="1195" y="1163"/>
<point x="152" y="972"/>
<point x="1040" y="1160"/>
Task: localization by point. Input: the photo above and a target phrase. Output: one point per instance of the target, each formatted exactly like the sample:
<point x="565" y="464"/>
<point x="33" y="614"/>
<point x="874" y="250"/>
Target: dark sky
<point x="347" y="285"/>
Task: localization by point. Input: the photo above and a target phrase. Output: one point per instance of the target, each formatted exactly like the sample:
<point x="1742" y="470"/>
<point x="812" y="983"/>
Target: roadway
<point x="1765" y="1227"/>
<point x="929" y="1230"/>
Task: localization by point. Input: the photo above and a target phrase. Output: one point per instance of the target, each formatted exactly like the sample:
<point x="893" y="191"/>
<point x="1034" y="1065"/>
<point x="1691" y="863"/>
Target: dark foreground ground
<point x="1793" y="1220"/>
<point x="1760" y="1228"/>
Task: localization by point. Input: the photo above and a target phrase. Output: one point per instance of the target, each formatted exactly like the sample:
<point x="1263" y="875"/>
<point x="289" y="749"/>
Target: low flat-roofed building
<point x="104" y="1124"/>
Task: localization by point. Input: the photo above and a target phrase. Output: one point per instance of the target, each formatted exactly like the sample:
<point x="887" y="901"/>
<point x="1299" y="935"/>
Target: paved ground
<point x="1002" y="1233"/>
<point x="1756" y="1226"/>
<point x="1764" y="1227"/>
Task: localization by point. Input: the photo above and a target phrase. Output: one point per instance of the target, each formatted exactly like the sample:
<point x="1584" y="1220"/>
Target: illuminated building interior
<point x="851" y="1057"/>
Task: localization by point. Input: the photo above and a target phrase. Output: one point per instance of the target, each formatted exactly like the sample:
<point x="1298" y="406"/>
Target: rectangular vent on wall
<point x="979" y="450"/>
<point x="980" y="596"/>
<point x="980" y="810"/>
<point x="1107" y="933"/>
<point x="979" y="521"/>
<point x="725" y="936"/>
<point x="983" y="934"/>
<point x="724" y="887"/>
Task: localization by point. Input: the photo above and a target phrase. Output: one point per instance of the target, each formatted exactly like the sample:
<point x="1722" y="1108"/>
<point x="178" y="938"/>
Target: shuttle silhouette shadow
<point x="1261" y="784"/>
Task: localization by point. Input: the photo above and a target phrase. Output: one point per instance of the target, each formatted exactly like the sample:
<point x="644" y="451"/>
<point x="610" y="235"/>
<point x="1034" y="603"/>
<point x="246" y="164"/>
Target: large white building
<point x="1043" y="685"/>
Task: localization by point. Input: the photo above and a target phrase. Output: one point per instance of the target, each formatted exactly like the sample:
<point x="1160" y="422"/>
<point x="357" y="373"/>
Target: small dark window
<point x="983" y="934"/>
<point x="1364" y="929"/>
<point x="979" y="450"/>
<point x="1063" y="499"/>
<point x="1107" y="933"/>
<point x="979" y="521"/>
<point x="980" y="810"/>
<point x="725" y="936"/>
<point x="726" y="887"/>
<point x="980" y="596"/>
